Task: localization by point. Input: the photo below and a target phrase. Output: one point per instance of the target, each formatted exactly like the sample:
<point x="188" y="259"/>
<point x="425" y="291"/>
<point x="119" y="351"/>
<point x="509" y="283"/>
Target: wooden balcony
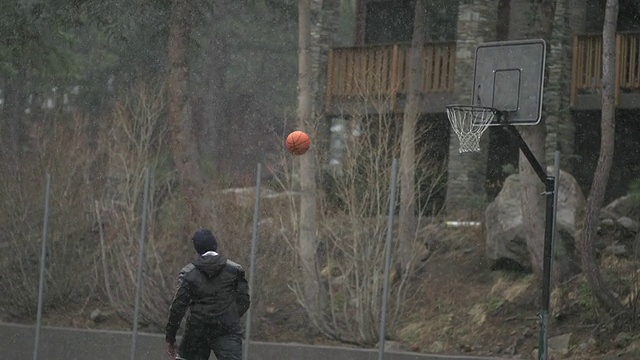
<point x="587" y="71"/>
<point x="374" y="78"/>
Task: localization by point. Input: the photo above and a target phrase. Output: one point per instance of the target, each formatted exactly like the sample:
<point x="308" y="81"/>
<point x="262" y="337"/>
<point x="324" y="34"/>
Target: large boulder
<point x="619" y="228"/>
<point x="505" y="238"/>
<point x="626" y="206"/>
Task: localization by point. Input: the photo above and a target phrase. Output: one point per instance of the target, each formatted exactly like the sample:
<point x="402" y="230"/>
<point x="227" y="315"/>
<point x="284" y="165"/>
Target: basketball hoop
<point x="469" y="123"/>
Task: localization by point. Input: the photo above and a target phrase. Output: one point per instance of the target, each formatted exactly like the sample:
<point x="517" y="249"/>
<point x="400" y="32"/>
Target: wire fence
<point x="139" y="280"/>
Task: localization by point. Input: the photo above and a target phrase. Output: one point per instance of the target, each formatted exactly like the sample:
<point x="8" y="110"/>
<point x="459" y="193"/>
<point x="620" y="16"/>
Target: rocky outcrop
<point x="619" y="227"/>
<point x="505" y="241"/>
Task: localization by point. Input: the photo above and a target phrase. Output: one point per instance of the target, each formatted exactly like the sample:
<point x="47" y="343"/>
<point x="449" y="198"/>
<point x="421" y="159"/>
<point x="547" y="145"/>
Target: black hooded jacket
<point x="216" y="292"/>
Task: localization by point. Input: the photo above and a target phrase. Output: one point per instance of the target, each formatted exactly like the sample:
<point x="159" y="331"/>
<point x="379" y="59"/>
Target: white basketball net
<point x="469" y="123"/>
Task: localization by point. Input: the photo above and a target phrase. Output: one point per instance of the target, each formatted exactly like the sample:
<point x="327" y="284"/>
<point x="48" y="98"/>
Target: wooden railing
<point x="382" y="70"/>
<point x="587" y="64"/>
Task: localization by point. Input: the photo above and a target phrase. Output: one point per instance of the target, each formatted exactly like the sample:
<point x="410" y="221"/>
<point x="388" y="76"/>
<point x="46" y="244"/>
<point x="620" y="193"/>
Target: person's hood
<point x="210" y="263"/>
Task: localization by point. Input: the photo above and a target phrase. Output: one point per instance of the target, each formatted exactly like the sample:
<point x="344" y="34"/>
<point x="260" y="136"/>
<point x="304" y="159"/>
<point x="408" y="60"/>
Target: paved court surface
<point x="17" y="341"/>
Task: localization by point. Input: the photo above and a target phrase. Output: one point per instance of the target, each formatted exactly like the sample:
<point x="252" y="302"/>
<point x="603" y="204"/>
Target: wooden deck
<point x="374" y="78"/>
<point x="587" y="71"/>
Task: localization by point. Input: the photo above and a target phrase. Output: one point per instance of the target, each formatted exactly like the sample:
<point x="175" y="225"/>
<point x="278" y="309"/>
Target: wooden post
<point x="452" y="67"/>
<point x="429" y="72"/>
<point x="575" y="68"/>
<point x="619" y="54"/>
<point x="635" y="61"/>
<point x="394" y="76"/>
<point x="330" y="75"/>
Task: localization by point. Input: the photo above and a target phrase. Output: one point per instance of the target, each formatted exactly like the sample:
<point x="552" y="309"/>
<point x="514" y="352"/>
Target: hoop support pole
<point x="535" y="164"/>
<point x="551" y="190"/>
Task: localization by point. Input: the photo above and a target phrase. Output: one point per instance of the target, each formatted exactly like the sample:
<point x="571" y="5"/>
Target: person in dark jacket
<point x="216" y="292"/>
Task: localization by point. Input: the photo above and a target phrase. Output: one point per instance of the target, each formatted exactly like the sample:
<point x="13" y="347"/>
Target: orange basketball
<point x="298" y="142"/>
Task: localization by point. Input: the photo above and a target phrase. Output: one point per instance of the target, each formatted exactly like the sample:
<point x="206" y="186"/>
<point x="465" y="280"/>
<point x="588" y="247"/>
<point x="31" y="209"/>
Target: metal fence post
<point x="143" y="233"/>
<point x="387" y="259"/>
<point x="252" y="262"/>
<point x="43" y="261"/>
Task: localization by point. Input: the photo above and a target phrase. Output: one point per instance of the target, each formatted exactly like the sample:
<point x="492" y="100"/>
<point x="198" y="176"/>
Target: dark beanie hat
<point x="203" y="241"/>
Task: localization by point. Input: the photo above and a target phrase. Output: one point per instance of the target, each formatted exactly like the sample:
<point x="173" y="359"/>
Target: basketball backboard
<point x="509" y="76"/>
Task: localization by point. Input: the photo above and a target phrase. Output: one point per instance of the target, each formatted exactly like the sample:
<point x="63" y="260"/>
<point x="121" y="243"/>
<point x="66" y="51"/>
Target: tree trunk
<point x="323" y="33"/>
<point x="533" y="203"/>
<point x="533" y="200"/>
<point x="466" y="173"/>
<point x="182" y="140"/>
<point x="601" y="175"/>
<point x="559" y="122"/>
<point x="307" y="222"/>
<point x="12" y="127"/>
<point x="559" y="126"/>
<point x="407" y="220"/>
<point x="211" y="144"/>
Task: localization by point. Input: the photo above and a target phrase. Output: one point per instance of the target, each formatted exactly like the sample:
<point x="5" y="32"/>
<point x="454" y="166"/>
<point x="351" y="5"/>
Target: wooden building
<point x="376" y="67"/>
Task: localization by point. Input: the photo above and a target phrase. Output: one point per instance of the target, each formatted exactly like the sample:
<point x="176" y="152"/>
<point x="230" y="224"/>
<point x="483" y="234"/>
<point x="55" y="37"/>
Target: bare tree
<point x="352" y="225"/>
<point x="353" y="234"/>
<point x="407" y="221"/>
<point x="133" y="138"/>
<point x="182" y="139"/>
<point x="605" y="159"/>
